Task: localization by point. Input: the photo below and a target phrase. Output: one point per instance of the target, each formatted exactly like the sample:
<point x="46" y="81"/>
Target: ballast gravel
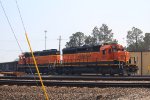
<point x="73" y="93"/>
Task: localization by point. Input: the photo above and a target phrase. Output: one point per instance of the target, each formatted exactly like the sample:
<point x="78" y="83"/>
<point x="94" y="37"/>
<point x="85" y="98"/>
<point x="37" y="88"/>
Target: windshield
<point x="115" y="49"/>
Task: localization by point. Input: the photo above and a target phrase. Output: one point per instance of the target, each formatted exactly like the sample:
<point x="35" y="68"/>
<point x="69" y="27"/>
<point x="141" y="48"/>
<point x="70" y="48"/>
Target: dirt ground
<point x="73" y="93"/>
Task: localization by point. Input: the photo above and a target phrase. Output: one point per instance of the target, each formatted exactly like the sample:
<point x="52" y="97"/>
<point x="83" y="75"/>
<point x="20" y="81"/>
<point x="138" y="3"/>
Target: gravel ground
<point x="73" y="93"/>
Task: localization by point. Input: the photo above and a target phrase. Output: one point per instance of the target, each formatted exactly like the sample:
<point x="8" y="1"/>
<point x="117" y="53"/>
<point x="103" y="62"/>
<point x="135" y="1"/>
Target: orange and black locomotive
<point x="101" y="59"/>
<point x="44" y="59"/>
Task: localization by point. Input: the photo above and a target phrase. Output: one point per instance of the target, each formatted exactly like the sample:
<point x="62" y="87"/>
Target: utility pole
<point x="45" y="38"/>
<point x="59" y="42"/>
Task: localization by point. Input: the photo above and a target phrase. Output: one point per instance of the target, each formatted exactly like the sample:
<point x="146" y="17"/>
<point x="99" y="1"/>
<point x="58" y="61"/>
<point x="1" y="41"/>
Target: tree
<point x="99" y="36"/>
<point x="76" y="40"/>
<point x="106" y="34"/>
<point x="89" y="40"/>
<point x="134" y="39"/>
<point x="102" y="35"/>
<point x="114" y="41"/>
<point x="95" y="36"/>
<point x="132" y="47"/>
<point x="147" y="41"/>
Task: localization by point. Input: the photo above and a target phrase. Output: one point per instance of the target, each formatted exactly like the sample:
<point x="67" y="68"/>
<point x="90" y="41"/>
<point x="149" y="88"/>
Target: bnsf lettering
<point x="84" y="56"/>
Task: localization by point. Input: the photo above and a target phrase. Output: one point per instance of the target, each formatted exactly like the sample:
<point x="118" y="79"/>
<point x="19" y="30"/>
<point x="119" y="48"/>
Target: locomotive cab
<point x="106" y="53"/>
<point x="120" y="54"/>
<point x="114" y="52"/>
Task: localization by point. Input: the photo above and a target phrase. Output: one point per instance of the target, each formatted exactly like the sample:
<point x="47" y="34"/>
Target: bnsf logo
<point x="84" y="56"/>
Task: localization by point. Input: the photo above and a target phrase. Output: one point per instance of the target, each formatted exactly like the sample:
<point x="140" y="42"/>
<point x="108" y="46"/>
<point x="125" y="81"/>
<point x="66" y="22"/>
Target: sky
<point x="65" y="17"/>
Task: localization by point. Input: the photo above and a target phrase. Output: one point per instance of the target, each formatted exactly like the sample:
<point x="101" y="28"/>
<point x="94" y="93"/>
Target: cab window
<point x="109" y="51"/>
<point x="104" y="52"/>
<point x="114" y="50"/>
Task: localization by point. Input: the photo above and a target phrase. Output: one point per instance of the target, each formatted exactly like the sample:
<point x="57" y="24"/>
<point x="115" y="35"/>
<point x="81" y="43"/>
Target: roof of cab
<point x="105" y="47"/>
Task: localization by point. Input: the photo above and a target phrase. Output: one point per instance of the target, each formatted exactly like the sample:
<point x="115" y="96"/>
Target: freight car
<point x="102" y="59"/>
<point x="8" y="66"/>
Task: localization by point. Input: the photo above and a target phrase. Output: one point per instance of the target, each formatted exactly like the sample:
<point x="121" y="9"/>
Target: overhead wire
<point x="25" y="32"/>
<point x="43" y="87"/>
<point x="20" y="16"/>
<point x="14" y="34"/>
<point x="10" y="26"/>
<point x="12" y="30"/>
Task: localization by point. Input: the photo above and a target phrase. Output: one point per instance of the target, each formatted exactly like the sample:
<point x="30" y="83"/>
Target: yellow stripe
<point x="43" y="87"/>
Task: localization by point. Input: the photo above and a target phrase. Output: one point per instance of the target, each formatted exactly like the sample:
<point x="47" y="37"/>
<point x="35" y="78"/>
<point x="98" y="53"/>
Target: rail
<point x="76" y="83"/>
<point x="80" y="78"/>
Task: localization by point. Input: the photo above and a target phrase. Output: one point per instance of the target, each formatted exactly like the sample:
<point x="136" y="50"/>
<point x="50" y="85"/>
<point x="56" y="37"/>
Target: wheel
<point x="103" y="74"/>
<point x="121" y="74"/>
<point x="129" y="74"/>
<point x="112" y="74"/>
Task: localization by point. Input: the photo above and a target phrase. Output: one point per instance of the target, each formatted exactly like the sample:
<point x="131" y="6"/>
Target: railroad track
<point x="78" y="81"/>
<point x="85" y="78"/>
